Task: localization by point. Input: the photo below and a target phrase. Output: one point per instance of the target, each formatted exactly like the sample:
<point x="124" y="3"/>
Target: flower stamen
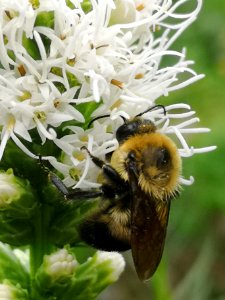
<point x="140" y="7"/>
<point x="117" y="83"/>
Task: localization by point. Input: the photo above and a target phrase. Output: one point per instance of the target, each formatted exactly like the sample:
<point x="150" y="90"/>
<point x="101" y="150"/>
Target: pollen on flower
<point x="22" y="70"/>
<point x="75" y="173"/>
<point x="140" y="7"/>
<point x="25" y="96"/>
<point x="117" y="83"/>
<point x="116" y="104"/>
<point x="79" y="155"/>
<point x="11" y="123"/>
<point x="40" y="115"/>
<point x="71" y="62"/>
<point x="35" y="3"/>
<point x="84" y="138"/>
<point x="56" y="103"/>
<point x="139" y="76"/>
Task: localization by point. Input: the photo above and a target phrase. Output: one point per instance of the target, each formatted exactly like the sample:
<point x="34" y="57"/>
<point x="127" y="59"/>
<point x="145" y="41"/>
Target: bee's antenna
<point x="97" y="118"/>
<point x="103" y="116"/>
<point x="41" y="163"/>
<point x="124" y="119"/>
<point x="152" y="108"/>
<point x="54" y="178"/>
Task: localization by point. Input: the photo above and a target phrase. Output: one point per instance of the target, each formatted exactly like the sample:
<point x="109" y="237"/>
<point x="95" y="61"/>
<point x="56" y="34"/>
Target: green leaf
<point x="11" y="267"/>
<point x="31" y="47"/>
<point x="45" y="18"/>
<point x="67" y="217"/>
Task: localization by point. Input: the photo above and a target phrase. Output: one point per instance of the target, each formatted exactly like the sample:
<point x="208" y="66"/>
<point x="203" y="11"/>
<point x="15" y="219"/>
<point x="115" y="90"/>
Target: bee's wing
<point x="149" y="218"/>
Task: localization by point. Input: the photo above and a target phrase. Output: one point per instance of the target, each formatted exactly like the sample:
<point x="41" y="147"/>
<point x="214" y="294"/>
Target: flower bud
<point x="14" y="266"/>
<point x="16" y="198"/>
<point x="103" y="269"/>
<point x="60" y="264"/>
<point x="17" y="205"/>
<point x="113" y="261"/>
<point x="9" y="291"/>
<point x="86" y="5"/>
<point x="125" y="12"/>
<point x="54" y="275"/>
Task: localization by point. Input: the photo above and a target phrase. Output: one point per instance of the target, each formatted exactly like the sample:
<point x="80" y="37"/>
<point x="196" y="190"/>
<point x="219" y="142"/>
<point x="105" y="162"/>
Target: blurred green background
<point x="193" y="265"/>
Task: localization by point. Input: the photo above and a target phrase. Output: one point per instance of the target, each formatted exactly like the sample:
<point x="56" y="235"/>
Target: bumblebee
<point x="139" y="183"/>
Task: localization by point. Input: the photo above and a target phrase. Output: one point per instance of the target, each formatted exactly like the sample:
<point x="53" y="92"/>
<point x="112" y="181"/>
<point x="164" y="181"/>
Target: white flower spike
<point x="110" y="55"/>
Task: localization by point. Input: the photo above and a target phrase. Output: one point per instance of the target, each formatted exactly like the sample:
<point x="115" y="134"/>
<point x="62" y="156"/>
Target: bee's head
<point x="160" y="167"/>
<point x="136" y="125"/>
<point x="155" y="161"/>
<point x="132" y="127"/>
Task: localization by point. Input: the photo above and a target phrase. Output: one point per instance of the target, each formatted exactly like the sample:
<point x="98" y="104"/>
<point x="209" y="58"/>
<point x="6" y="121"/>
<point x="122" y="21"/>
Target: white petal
<point x="21" y="130"/>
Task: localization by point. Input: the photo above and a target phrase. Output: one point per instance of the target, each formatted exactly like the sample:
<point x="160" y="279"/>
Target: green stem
<point x="40" y="245"/>
<point x="160" y="282"/>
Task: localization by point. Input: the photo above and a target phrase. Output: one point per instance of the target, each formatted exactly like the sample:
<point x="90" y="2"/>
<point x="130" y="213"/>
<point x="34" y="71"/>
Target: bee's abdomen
<point x="101" y="232"/>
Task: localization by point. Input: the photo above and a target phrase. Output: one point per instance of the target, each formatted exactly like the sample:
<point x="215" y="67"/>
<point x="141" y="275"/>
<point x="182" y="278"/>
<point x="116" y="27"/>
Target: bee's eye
<point x="163" y="157"/>
<point x="131" y="156"/>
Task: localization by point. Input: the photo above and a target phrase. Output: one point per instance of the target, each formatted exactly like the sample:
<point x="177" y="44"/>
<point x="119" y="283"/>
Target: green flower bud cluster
<point x="17" y="206"/>
<point x="36" y="217"/>
<point x="14" y="275"/>
<point x="60" y="276"/>
<point x="12" y="292"/>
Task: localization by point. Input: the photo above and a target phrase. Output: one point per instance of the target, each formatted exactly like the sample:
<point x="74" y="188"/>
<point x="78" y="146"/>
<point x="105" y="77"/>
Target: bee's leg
<point x="107" y="170"/>
<point x="68" y="194"/>
<point x="84" y="194"/>
<point x="97" y="161"/>
<point x="54" y="178"/>
<point x="76" y="194"/>
<point x="58" y="184"/>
